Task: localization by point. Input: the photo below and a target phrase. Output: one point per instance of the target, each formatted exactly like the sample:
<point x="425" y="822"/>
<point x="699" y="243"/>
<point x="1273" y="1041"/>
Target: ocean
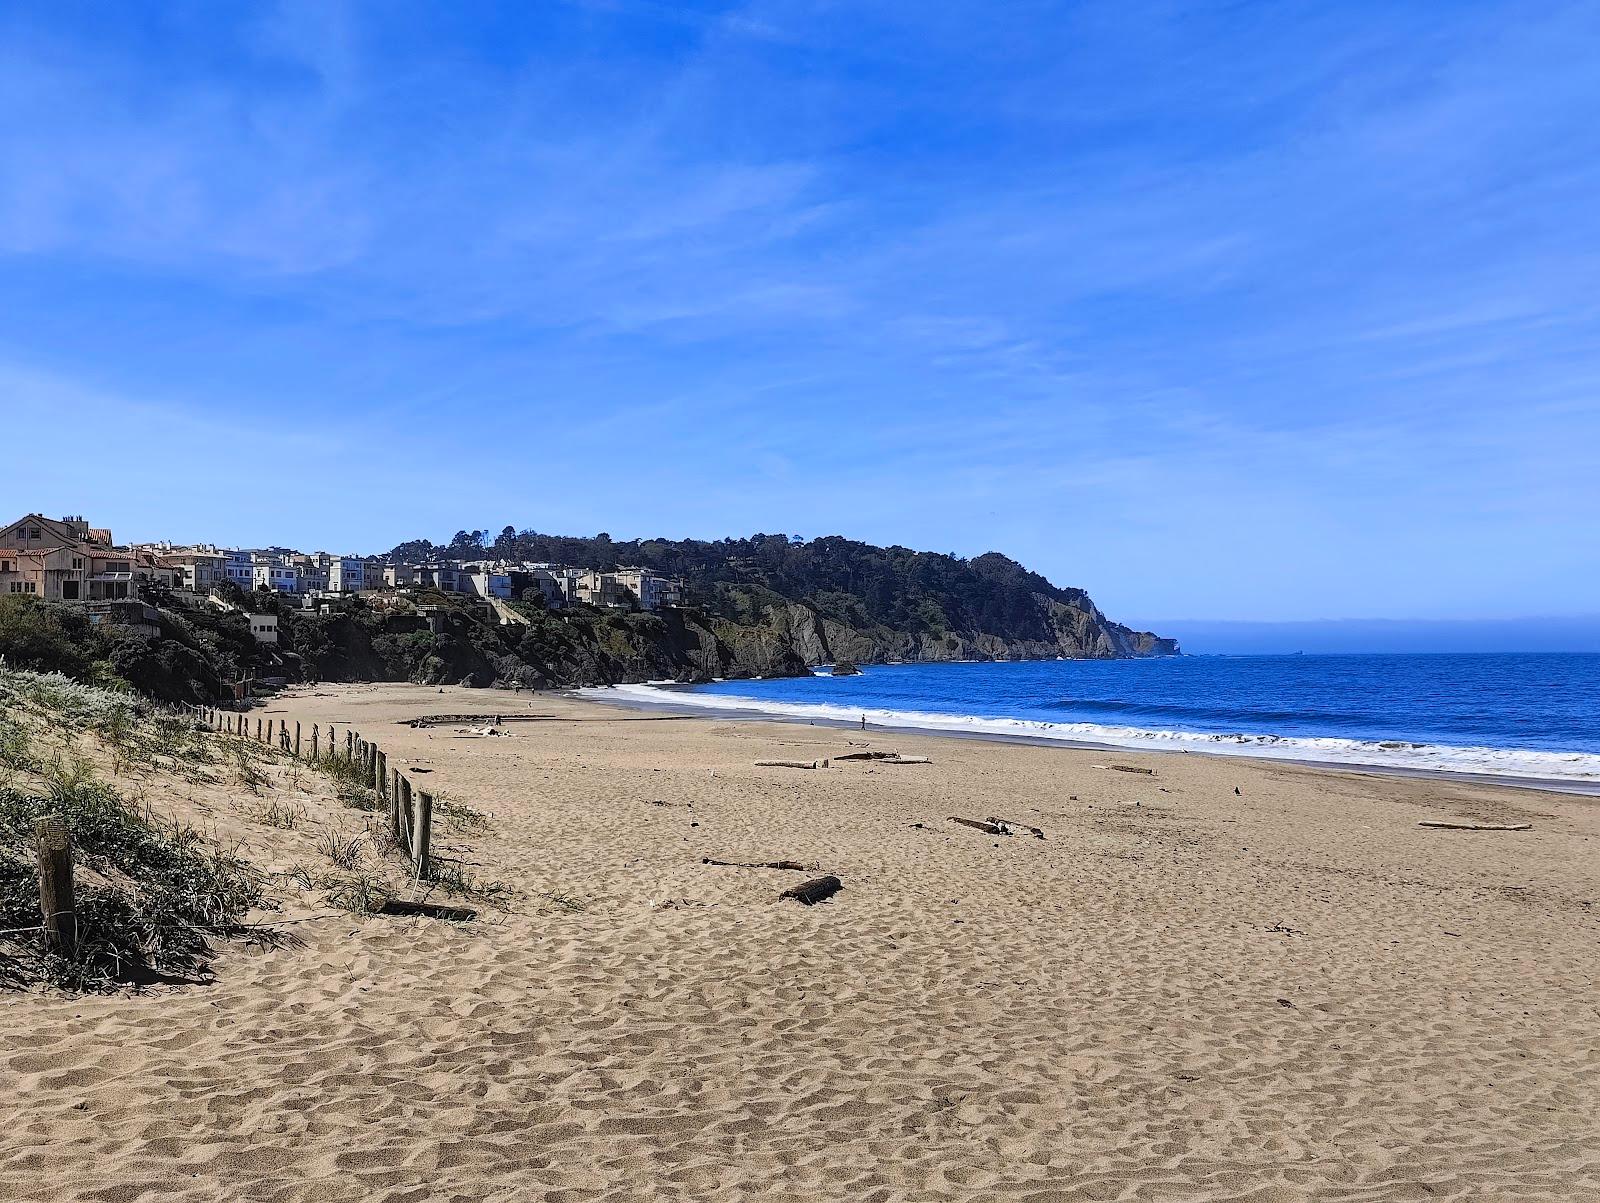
<point x="1531" y="716"/>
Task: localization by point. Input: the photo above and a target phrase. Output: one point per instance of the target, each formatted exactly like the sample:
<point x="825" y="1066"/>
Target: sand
<point x="1182" y="993"/>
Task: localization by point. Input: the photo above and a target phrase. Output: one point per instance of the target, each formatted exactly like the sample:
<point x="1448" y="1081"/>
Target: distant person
<point x="863" y="722"/>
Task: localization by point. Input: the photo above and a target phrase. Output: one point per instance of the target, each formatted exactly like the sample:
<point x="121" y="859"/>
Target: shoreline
<point x="598" y="694"/>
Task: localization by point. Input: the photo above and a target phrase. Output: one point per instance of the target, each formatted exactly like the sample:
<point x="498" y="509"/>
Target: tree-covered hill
<point x="839" y="598"/>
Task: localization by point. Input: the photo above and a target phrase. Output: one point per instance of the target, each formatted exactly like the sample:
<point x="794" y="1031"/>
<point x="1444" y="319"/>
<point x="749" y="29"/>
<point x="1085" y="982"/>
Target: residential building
<point x="51" y="573"/>
<point x="33" y="531"/>
<point x="399" y="576"/>
<point x="484" y="581"/>
<point x="239" y="568"/>
<point x="264" y="627"/>
<point x="198" y="569"/>
<point x="346" y="574"/>
<point x="651" y="590"/>
<point x="128" y="615"/>
<point x="628" y="588"/>
<point x="279" y="578"/>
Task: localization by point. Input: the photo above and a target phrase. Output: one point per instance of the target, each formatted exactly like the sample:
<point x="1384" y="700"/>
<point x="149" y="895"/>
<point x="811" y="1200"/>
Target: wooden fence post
<point x="258" y="730"/>
<point x="401" y="804"/>
<point x="380" y="773"/>
<point x="297" y="741"/>
<point x="56" y="901"/>
<point x="349" y="745"/>
<point x="316" y="739"/>
<point x="421" y="834"/>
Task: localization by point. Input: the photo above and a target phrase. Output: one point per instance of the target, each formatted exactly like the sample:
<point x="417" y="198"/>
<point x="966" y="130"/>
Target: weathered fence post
<point x="56" y="901"/>
<point x="269" y="730"/>
<point x="380" y="772"/>
<point x="297" y="741"/>
<point x="421" y="834"/>
<point x="349" y="745"/>
<point x="258" y="730"/>
<point x="401" y="805"/>
<point x="316" y="738"/>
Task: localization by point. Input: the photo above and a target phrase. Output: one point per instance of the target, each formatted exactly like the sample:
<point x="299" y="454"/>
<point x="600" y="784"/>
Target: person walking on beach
<point x="863" y="722"/>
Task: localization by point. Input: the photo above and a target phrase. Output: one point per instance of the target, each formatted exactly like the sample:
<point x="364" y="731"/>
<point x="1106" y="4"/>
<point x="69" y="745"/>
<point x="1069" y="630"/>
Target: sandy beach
<point x="1221" y="980"/>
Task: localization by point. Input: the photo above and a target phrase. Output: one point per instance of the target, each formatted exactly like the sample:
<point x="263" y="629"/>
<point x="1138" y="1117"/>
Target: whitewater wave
<point x="1390" y="754"/>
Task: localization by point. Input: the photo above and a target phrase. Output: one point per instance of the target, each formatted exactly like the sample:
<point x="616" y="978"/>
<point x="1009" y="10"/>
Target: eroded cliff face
<point x="586" y="647"/>
<point x="796" y="632"/>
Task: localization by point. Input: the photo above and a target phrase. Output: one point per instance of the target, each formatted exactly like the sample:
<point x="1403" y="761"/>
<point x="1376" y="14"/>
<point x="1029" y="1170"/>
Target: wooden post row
<point x="56" y="901"/>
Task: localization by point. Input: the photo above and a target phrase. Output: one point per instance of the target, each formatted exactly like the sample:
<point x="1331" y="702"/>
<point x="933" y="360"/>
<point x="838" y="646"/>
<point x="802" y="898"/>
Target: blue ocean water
<point x="1518" y="715"/>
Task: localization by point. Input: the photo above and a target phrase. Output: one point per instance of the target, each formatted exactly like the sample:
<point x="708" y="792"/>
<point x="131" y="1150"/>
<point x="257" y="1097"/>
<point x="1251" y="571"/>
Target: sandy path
<point x="1292" y="993"/>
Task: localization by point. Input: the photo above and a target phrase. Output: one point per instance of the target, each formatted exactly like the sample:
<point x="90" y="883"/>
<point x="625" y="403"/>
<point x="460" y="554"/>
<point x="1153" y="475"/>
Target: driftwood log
<point x="786" y="764"/>
<point x="1128" y="768"/>
<point x="431" y="910"/>
<point x="740" y="864"/>
<point x="814" y="891"/>
<point x="987" y="828"/>
<point x="869" y="756"/>
<point x="1009" y="823"/>
<point x="908" y="760"/>
<point x="1477" y="826"/>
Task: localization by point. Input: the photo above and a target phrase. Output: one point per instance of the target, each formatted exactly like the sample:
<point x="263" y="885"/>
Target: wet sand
<point x="1291" y="992"/>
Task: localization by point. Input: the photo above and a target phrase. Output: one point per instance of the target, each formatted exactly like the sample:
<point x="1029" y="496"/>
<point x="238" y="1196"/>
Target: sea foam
<point x="1398" y="755"/>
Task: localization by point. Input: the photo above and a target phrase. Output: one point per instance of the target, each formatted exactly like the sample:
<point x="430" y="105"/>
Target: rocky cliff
<point x="582" y="646"/>
<point x="799" y="631"/>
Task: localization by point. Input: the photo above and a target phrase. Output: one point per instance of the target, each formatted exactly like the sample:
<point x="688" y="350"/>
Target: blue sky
<point x="1261" y="311"/>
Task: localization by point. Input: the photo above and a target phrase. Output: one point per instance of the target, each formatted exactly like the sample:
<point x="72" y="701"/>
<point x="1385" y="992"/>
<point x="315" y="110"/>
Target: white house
<point x="264" y="627"/>
<point x="346" y="574"/>
<point x="279" y="578"/>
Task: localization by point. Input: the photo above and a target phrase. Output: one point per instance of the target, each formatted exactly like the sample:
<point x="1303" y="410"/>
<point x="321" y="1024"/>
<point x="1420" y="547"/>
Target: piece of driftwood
<point x="869" y="756"/>
<point x="1477" y="826"/>
<point x="1128" y="768"/>
<point x="816" y="890"/>
<point x="1037" y="833"/>
<point x="430" y="910"/>
<point x="786" y="764"/>
<point x="740" y="864"/>
<point x="908" y="760"/>
<point x="980" y="825"/>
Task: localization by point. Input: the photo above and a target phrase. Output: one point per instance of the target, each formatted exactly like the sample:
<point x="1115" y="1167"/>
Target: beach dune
<point x="1219" y="980"/>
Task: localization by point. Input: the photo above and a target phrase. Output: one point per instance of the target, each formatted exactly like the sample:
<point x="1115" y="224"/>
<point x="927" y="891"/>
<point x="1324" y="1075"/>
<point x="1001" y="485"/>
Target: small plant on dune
<point x="361" y="894"/>
<point x="562" y="901"/>
<point x="344" y="852"/>
<point x="356" y="797"/>
<point x="16" y="746"/>
<point x="468" y="820"/>
<point x="454" y="878"/>
<point x="345" y="772"/>
<point x="285" y="816"/>
<point x="246" y="766"/>
<point x="304" y="877"/>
